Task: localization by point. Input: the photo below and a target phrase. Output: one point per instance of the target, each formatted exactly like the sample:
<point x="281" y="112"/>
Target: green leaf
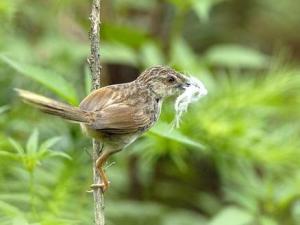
<point x="164" y="130"/>
<point x="9" y="210"/>
<point x="16" y="146"/>
<point x="9" y="155"/>
<point x="118" y="53"/>
<point x="32" y="143"/>
<point x="20" y="221"/>
<point x="19" y="198"/>
<point x="49" y="143"/>
<point x="182" y="56"/>
<point x="151" y="55"/>
<point x="4" y="108"/>
<point x="183" y="217"/>
<point x="236" y="56"/>
<point x="203" y="8"/>
<point x="7" y="10"/>
<point x="182" y="5"/>
<point x="59" y="154"/>
<point x="267" y="221"/>
<point x="127" y="35"/>
<point x="87" y="80"/>
<point x="50" y="79"/>
<point x="232" y="216"/>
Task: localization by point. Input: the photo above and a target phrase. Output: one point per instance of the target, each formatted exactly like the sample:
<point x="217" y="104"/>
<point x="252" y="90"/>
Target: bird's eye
<point x="171" y="79"/>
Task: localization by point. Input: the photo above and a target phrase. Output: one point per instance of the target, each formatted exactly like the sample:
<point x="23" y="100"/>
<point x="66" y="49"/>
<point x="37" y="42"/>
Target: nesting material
<point x="192" y="93"/>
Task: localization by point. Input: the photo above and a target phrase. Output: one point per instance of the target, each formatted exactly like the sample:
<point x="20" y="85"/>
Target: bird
<point x="116" y="115"/>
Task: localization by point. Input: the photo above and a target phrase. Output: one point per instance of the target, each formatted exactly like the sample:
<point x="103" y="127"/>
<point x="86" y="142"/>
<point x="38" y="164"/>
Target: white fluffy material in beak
<point x="192" y="93"/>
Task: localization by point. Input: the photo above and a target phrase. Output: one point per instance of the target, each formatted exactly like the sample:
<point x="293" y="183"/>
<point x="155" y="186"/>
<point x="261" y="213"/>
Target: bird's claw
<point x="103" y="186"/>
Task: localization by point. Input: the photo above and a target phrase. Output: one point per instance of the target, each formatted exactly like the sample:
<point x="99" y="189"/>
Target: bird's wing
<point x="99" y="99"/>
<point x="121" y="119"/>
<point x="112" y="114"/>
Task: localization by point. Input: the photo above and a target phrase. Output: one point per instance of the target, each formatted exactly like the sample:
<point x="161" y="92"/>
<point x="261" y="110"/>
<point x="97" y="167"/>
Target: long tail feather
<point x="54" y="107"/>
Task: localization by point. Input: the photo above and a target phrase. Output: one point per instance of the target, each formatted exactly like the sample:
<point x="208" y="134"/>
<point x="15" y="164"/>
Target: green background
<point x="234" y="160"/>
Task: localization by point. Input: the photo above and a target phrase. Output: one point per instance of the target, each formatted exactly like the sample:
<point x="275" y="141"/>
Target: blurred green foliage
<point x="235" y="159"/>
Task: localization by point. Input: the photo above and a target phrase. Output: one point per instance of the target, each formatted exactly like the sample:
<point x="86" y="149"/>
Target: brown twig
<point x="95" y="67"/>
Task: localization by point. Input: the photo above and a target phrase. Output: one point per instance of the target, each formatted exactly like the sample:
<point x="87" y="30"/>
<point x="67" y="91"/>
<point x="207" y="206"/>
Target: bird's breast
<point x="152" y="110"/>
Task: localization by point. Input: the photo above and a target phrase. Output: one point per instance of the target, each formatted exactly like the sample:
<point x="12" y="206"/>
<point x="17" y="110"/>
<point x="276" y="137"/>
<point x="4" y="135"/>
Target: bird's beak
<point x="191" y="82"/>
<point x="186" y="82"/>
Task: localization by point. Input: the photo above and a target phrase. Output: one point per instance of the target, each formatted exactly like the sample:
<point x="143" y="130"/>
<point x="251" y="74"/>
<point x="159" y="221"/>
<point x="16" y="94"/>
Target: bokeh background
<point x="235" y="159"/>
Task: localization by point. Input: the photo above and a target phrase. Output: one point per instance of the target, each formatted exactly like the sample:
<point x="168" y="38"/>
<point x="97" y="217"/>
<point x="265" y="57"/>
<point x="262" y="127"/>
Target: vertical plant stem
<point x="95" y="67"/>
<point x="98" y="194"/>
<point x="32" y="193"/>
<point x="94" y="58"/>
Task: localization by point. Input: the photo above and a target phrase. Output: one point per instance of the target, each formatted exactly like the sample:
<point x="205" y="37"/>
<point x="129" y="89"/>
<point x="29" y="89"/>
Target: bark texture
<point x="95" y="67"/>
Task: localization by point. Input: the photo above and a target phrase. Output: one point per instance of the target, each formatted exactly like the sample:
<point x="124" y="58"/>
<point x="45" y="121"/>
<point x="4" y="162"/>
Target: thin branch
<point x="95" y="67"/>
<point x="98" y="194"/>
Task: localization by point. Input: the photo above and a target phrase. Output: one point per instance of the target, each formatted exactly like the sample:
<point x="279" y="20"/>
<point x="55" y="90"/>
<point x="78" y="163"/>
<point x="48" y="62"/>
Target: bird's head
<point x="164" y="81"/>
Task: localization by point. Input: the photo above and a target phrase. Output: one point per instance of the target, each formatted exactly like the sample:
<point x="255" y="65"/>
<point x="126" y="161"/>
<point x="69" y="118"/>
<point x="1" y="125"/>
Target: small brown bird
<point x="117" y="115"/>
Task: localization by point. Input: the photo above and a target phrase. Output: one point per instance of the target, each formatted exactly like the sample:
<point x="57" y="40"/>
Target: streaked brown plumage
<point x="118" y="114"/>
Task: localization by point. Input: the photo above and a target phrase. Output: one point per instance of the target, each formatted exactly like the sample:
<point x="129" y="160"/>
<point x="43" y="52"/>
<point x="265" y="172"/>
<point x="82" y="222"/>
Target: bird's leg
<point x="99" y="166"/>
